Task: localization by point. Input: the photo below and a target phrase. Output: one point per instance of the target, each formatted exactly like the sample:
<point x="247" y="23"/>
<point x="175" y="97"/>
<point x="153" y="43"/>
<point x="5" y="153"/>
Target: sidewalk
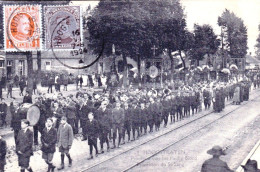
<point x="253" y="155"/>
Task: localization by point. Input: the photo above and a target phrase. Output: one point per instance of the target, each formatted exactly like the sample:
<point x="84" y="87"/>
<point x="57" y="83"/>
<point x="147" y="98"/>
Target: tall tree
<point x="234" y="34"/>
<point x="206" y="42"/>
<point x="134" y="27"/>
<point x="257" y="46"/>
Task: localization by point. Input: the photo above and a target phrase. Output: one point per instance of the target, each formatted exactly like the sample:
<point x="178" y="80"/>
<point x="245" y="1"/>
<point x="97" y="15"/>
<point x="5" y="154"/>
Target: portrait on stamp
<point x="22" y="28"/>
<point x="62" y="24"/>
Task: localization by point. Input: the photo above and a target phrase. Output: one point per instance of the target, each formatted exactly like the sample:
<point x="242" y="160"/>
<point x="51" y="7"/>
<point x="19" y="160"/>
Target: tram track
<point x="89" y="168"/>
<point x="185" y="137"/>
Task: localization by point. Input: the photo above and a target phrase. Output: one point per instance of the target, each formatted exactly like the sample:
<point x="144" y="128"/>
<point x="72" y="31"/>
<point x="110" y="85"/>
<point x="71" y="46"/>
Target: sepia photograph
<point x="130" y="86"/>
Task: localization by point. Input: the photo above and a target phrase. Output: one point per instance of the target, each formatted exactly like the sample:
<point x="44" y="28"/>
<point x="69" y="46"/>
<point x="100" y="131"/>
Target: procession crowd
<point x="112" y="115"/>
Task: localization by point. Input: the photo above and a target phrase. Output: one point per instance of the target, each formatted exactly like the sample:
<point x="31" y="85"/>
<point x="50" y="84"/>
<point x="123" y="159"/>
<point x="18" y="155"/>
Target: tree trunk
<point x="172" y="65"/>
<point x="30" y="72"/>
<point x="125" y="77"/>
<point x="183" y="61"/>
<point x="198" y="62"/>
<point x="139" y="66"/>
<point x="39" y="64"/>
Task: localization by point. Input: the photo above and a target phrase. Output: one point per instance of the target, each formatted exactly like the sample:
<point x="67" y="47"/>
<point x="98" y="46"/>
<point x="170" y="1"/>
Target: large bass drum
<point x="31" y="112"/>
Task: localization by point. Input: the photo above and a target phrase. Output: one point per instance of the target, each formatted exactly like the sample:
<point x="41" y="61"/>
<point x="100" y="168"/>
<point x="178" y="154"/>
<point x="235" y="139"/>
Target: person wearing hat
<point x="24" y="146"/>
<point x="3" y="150"/>
<point x="250" y="166"/>
<point x="215" y="164"/>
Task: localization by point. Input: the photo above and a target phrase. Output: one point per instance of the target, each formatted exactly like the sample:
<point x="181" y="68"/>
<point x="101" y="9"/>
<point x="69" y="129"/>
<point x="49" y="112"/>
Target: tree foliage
<point x="205" y="42"/>
<point x="134" y="27"/>
<point x="257" y="46"/>
<point x="234" y="34"/>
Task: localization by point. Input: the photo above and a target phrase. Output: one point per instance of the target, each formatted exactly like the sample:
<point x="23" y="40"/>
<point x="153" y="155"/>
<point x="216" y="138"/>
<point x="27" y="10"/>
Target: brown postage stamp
<point x="63" y="27"/>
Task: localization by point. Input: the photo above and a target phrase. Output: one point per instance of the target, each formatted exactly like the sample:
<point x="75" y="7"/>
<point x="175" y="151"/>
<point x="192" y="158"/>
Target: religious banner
<point x="153" y="71"/>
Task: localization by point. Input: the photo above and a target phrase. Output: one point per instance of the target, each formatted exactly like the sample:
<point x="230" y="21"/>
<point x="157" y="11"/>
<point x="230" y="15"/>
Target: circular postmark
<point x="57" y="35"/>
<point x="22" y="31"/>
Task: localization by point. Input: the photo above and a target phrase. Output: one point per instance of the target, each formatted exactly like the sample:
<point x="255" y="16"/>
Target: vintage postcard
<point x="130" y="86"/>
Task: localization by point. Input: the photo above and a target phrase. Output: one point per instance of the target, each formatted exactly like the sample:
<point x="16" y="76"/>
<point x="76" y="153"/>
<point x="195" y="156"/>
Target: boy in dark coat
<point x="118" y="123"/>
<point x="24" y="146"/>
<point x="49" y="139"/>
<point x="92" y="133"/>
<point x="15" y="118"/>
<point x="104" y="125"/>
<point x="3" y="149"/>
<point x="128" y="122"/>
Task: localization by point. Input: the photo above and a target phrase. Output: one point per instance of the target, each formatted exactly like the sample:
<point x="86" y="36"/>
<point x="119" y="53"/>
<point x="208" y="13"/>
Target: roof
<point x="252" y="60"/>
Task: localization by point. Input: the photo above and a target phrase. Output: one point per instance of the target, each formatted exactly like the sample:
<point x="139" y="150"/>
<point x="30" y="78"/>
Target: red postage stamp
<point x="22" y="27"/>
<point x="62" y="27"/>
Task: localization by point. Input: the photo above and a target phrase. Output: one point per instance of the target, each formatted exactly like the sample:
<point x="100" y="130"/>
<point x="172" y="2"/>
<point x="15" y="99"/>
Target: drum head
<point x="33" y="115"/>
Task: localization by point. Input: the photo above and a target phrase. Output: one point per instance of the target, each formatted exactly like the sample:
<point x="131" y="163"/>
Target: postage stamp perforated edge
<point x="45" y="29"/>
<point x="5" y="28"/>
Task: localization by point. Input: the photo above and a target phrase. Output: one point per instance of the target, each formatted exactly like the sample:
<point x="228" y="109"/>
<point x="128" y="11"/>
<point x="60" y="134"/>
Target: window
<point x="21" y="67"/>
<point x="1" y="64"/>
<point x="48" y="65"/>
<point x="9" y="62"/>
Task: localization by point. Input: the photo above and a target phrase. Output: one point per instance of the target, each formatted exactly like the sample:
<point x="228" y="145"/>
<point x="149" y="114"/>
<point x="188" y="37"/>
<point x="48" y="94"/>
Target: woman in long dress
<point x="236" y="98"/>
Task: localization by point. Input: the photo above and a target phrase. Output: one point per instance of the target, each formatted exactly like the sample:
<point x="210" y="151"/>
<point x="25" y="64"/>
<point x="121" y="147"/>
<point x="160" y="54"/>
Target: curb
<point x="240" y="169"/>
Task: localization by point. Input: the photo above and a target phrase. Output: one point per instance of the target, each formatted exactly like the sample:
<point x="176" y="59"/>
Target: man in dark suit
<point x="118" y="122"/>
<point x="143" y="117"/>
<point x="135" y="112"/>
<point x="128" y="122"/>
<point x="65" y="139"/>
<point x="3" y="112"/>
<point x="71" y="112"/>
<point x="92" y="133"/>
<point x="15" y="118"/>
<point x="49" y="139"/>
<point x="85" y="108"/>
<point x="24" y="146"/>
<point x="104" y="124"/>
<point x="3" y="149"/>
<point x="151" y="114"/>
